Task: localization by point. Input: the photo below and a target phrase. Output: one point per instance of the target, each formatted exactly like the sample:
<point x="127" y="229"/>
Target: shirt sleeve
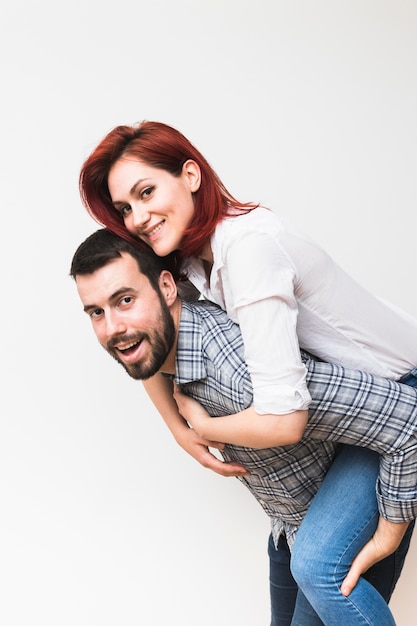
<point x="396" y="485"/>
<point x="356" y="408"/>
<point x="261" y="282"/>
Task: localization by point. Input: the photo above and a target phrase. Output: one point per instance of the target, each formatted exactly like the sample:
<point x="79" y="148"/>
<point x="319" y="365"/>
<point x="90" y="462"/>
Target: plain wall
<point x="309" y="107"/>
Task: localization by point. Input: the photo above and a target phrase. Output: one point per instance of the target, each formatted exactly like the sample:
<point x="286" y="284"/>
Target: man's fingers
<point x="365" y="559"/>
<point x="350" y="581"/>
<point x="211" y="462"/>
<point x="199" y="449"/>
<point x="215" y="444"/>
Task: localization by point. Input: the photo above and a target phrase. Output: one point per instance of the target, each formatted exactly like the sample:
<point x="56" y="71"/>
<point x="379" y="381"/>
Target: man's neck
<point x="169" y="365"/>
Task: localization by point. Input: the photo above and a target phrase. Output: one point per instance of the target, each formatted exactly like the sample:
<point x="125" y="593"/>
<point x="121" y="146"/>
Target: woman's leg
<point x="341" y="519"/>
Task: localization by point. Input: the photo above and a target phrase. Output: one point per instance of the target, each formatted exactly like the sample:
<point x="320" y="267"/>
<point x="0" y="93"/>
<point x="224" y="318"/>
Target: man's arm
<point x="356" y="408"/>
<point x="159" y="389"/>
<point x="385" y="541"/>
<point x="348" y="406"/>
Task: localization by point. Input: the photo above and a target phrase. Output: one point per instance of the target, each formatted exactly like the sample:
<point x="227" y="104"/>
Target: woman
<point x="148" y="183"/>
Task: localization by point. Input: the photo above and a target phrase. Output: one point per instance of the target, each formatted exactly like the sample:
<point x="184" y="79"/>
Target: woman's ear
<point x="192" y="173"/>
<point x="168" y="287"/>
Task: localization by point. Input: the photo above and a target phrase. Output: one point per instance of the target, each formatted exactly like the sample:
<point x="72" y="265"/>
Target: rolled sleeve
<point x="282" y="399"/>
<point x="356" y="408"/>
<point x="397" y="484"/>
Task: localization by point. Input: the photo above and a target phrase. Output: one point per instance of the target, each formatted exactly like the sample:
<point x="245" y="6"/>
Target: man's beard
<point x="161" y="342"/>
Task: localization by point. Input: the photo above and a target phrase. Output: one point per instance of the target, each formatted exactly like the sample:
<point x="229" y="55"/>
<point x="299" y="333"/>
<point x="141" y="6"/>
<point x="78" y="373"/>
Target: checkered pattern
<point x="348" y="407"/>
<point x="356" y="408"/>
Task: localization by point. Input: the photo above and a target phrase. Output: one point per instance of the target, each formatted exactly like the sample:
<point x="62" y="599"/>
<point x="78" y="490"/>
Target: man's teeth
<point x="130" y="345"/>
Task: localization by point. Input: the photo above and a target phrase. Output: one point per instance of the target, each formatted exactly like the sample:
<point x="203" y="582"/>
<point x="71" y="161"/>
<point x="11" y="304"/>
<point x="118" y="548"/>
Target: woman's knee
<point x="317" y="567"/>
<point x="308" y="567"/>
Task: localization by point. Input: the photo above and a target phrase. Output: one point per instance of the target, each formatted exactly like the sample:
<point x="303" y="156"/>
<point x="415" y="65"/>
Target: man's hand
<point x="385" y="541"/>
<point x="160" y="390"/>
<point x="191" y="410"/>
<point x="198" y="448"/>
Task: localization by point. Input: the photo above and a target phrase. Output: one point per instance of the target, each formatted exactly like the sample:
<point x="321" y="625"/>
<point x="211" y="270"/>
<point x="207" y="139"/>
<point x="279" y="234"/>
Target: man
<point x="138" y="318"/>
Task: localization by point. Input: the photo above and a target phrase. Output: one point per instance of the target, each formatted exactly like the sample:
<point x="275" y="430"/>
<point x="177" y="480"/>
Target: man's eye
<point x="127" y="300"/>
<point x="96" y="313"/>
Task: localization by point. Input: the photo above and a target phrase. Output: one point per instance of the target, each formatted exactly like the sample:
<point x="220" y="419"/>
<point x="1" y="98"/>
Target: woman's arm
<point x="160" y="391"/>
<point x="246" y="428"/>
<point x="261" y="298"/>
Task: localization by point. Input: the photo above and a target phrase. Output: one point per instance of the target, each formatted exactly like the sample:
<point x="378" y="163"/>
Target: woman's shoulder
<point x="259" y="219"/>
<point x="247" y="233"/>
<point x="260" y="224"/>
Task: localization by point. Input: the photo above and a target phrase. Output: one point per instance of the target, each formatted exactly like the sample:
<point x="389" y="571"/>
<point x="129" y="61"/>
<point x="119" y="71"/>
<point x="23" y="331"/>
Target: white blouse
<point x="285" y="291"/>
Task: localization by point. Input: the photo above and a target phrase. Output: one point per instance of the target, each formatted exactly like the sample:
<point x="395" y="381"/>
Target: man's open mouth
<point x="126" y="350"/>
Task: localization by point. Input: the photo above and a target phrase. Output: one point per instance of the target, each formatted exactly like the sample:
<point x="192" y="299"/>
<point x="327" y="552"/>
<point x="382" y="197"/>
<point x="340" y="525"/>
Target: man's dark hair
<point x="104" y="246"/>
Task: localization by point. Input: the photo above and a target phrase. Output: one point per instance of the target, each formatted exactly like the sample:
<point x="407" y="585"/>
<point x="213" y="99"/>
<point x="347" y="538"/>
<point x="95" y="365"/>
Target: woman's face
<point x="156" y="206"/>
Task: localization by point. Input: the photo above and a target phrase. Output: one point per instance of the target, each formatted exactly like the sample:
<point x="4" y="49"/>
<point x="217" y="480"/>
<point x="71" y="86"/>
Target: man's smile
<point x="129" y="350"/>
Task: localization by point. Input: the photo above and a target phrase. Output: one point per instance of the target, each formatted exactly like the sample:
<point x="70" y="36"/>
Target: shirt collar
<point x="194" y="269"/>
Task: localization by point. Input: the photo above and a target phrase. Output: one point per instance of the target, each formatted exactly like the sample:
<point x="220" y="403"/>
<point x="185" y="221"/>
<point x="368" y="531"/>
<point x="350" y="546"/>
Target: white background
<point x="309" y="107"/>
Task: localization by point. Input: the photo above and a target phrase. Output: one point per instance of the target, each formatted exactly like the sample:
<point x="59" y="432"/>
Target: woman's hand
<point x="246" y="428"/>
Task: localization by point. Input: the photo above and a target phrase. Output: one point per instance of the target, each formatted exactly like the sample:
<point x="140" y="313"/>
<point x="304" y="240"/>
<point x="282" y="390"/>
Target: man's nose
<point x="114" y="325"/>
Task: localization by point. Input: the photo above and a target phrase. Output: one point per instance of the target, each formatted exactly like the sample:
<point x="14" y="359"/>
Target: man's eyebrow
<point x="114" y="296"/>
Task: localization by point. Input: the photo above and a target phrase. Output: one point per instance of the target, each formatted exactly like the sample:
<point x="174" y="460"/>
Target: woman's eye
<point x="124" y="210"/>
<point x="147" y="192"/>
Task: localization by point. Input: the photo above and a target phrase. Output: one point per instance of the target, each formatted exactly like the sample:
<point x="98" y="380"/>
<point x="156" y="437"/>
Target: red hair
<point x="161" y="146"/>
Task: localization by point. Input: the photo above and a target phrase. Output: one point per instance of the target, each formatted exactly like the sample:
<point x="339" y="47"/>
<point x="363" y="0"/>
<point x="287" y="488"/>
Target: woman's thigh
<point x="341" y="519"/>
<point x="345" y="502"/>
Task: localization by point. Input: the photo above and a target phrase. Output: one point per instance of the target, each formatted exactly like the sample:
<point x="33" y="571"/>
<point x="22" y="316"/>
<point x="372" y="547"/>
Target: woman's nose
<point x="140" y="216"/>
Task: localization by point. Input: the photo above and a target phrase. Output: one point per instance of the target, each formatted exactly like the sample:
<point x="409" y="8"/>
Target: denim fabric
<point x="288" y="601"/>
<point x="284" y="592"/>
<point x="327" y="541"/>
<point x="410" y="378"/>
<point x="218" y="378"/>
<point x="289" y="606"/>
<point x="342" y="518"/>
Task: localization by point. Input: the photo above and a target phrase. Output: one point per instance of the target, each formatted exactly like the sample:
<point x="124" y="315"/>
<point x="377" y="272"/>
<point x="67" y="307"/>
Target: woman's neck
<point x="207" y="254"/>
<point x="206" y="257"/>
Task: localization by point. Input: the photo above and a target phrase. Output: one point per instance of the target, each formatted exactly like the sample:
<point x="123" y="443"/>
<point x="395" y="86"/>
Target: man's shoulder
<point x="210" y="319"/>
<point x="205" y="310"/>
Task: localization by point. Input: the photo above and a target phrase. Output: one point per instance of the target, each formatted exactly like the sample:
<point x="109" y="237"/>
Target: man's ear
<point x="192" y="173"/>
<point x="168" y="287"/>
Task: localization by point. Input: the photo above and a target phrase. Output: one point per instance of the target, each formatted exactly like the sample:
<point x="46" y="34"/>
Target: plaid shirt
<point x="348" y="406"/>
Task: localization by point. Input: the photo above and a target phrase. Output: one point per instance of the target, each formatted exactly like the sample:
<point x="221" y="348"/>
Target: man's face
<point x="131" y="320"/>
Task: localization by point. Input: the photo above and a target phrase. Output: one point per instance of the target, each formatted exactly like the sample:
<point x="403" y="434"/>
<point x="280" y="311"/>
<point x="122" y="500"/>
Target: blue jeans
<point x="286" y="598"/>
<point x="341" y="519"/>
